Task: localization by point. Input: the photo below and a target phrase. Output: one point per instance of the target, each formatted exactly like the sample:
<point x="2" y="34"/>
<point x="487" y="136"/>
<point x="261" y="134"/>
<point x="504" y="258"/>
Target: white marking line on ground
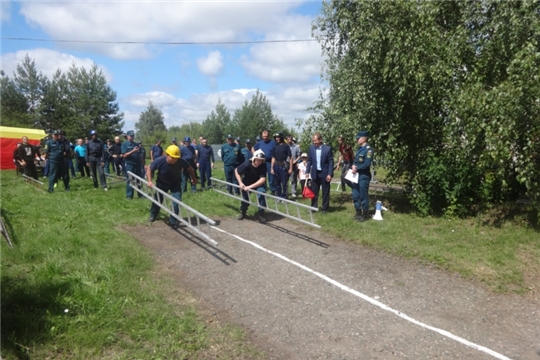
<point x="373" y="301"/>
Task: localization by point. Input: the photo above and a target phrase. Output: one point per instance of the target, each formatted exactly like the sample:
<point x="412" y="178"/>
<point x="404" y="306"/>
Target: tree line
<point x="77" y="101"/>
<point x="449" y="90"/>
<point x="247" y="122"/>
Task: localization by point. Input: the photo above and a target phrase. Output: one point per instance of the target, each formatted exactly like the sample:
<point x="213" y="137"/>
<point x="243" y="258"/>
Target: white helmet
<point x="258" y="154"/>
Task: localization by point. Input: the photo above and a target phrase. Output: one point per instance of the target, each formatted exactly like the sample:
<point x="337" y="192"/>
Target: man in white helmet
<point x="252" y="175"/>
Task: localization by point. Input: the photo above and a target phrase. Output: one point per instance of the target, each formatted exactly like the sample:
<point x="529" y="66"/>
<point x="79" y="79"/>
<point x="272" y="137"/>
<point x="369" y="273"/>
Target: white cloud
<point x="159" y="99"/>
<point x="48" y="61"/>
<point x="186" y="21"/>
<point x="288" y="103"/>
<point x="291" y="62"/>
<point x="210" y="65"/>
<point x="5" y="11"/>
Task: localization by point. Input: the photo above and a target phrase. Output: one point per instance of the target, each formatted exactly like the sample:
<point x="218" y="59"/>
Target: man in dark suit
<point x="320" y="166"/>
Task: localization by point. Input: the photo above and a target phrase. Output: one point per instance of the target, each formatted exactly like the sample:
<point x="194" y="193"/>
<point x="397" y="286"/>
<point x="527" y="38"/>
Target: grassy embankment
<point x="70" y="254"/>
<point x="76" y="287"/>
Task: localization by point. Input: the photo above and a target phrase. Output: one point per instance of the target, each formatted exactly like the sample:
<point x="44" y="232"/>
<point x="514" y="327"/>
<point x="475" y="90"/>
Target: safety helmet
<point x="279" y="135"/>
<point x="258" y="154"/>
<point x="187" y="139"/>
<point x="93" y="132"/>
<point x="173" y="151"/>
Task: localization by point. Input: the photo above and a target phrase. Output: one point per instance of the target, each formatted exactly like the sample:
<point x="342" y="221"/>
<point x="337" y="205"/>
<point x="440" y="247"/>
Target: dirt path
<point x="291" y="313"/>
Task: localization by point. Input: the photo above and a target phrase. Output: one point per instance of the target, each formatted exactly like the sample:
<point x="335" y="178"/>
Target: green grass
<point x="75" y="286"/>
<point x="506" y="257"/>
<point x="71" y="254"/>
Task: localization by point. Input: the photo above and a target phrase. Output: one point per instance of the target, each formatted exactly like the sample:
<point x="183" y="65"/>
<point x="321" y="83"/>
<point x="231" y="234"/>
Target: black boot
<point x="358" y="214"/>
<point x="361" y="216"/>
<point x="242" y="215"/>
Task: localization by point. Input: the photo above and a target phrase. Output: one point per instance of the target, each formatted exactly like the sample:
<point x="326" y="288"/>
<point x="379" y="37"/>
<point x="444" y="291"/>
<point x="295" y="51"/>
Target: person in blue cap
<point x="132" y="160"/>
<point x="247" y="151"/>
<point x="95" y="159"/>
<point x="362" y="165"/>
<point x="205" y="161"/>
<point x="230" y="154"/>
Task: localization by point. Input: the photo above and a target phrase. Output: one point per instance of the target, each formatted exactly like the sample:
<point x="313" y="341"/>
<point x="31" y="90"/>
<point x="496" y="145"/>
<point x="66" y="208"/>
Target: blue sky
<point x="184" y="81"/>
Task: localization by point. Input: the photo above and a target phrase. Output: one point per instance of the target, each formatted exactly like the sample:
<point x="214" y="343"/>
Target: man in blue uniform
<point x="361" y="165"/>
<point x="267" y="145"/>
<point x="282" y="165"/>
<point x="187" y="152"/>
<point x="252" y="175"/>
<point x="132" y="160"/>
<point x="247" y="151"/>
<point x="230" y="154"/>
<point x="170" y="168"/>
<point x="205" y="161"/>
<point x="55" y="154"/>
<point x="156" y="150"/>
<point x="67" y="157"/>
<point x="95" y="159"/>
<point x="107" y="157"/>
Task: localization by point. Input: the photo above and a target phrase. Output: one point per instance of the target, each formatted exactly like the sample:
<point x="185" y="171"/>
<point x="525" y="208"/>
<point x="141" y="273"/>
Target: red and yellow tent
<point x="9" y="137"/>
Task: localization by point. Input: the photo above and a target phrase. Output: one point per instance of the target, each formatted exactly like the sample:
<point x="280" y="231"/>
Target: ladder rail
<point x="141" y="186"/>
<point x="275" y="206"/>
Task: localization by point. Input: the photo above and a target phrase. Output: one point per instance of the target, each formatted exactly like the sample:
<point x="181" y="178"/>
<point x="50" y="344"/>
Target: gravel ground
<point x="290" y="313"/>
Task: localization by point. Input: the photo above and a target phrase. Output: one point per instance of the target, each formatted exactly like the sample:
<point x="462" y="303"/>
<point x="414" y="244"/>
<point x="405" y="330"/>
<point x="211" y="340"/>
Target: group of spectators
<point x="286" y="163"/>
<point x="268" y="163"/>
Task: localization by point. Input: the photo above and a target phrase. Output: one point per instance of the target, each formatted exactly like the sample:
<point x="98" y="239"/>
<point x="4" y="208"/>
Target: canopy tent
<point x="9" y="137"/>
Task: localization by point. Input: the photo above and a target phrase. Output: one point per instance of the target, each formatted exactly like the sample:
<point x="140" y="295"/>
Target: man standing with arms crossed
<point x="95" y="159"/>
<point x="205" y="161"/>
<point x="267" y="145"/>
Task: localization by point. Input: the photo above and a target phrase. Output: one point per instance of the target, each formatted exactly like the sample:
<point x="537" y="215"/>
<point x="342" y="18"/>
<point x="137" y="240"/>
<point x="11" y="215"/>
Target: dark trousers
<point x="360" y="193"/>
<point x="316" y="183"/>
<point x="206" y="173"/>
<point x="70" y="166"/>
<point x="269" y="176"/>
<point x="261" y="199"/>
<point x="231" y="178"/>
<point x="176" y="192"/>
<point x="83" y="167"/>
<point x="281" y="180"/>
<point x="96" y="170"/>
<point x="345" y="166"/>
<point x="135" y="168"/>
<point x="107" y="167"/>
<point x="30" y="169"/>
<point x="57" y="170"/>
<point x="119" y="167"/>
<point x="186" y="177"/>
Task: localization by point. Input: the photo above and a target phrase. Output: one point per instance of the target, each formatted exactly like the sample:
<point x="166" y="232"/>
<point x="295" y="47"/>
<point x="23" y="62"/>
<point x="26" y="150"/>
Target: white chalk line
<point x="373" y="301"/>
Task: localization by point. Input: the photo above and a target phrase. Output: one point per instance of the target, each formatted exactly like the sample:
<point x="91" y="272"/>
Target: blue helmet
<point x="187" y="139"/>
<point x="93" y="132"/>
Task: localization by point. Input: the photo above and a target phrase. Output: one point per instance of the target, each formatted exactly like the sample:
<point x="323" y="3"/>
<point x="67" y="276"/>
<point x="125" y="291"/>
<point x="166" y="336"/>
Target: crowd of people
<point x="275" y="163"/>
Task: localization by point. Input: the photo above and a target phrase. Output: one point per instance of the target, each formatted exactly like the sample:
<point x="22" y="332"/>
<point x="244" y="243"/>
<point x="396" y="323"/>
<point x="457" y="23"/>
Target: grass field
<point x="75" y="286"/>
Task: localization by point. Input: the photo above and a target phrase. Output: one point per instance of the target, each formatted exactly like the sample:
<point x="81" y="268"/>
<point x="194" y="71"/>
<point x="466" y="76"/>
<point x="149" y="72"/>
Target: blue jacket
<point x="327" y="161"/>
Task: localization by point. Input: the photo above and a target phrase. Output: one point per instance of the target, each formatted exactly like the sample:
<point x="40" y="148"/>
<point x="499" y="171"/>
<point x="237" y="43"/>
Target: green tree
<point x="217" y="124"/>
<point x="255" y="116"/>
<point x="90" y="101"/>
<point x="192" y="129"/>
<point x="14" y="106"/>
<point x="151" y="125"/>
<point x="443" y="88"/>
<point x="32" y="85"/>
